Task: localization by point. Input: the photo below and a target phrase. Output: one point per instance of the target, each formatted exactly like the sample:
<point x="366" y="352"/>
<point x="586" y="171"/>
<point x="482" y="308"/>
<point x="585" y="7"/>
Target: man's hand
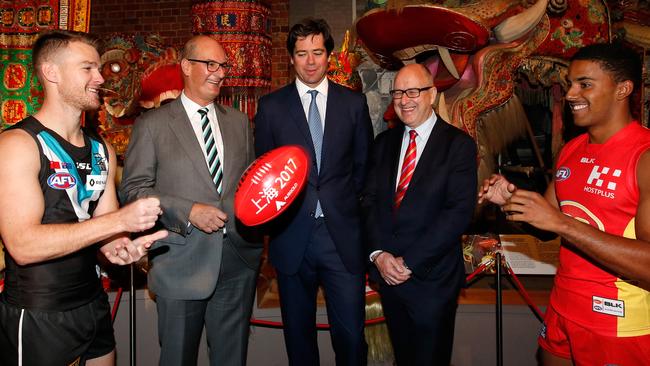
<point x="392" y="269"/>
<point x="533" y="208"/>
<point x="496" y="189"/>
<point x="207" y="218"/>
<point x="123" y="250"/>
<point x="140" y="215"/>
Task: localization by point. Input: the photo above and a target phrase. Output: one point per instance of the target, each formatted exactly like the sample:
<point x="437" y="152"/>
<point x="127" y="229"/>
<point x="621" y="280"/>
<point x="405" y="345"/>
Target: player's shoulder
<point x="16" y="138"/>
<point x="19" y="145"/>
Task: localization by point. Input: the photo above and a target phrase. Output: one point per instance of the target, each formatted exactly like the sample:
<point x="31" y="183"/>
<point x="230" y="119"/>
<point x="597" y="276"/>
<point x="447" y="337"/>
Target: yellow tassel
<point x="379" y="347"/>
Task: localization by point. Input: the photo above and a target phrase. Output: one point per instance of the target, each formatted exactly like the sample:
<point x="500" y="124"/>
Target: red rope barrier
<point x="480" y="269"/>
<point x="116" y="304"/>
<point x="524" y="293"/>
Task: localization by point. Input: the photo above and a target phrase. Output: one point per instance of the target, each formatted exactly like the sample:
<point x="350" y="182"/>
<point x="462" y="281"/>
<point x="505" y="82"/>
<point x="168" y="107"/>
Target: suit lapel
<point x="181" y="126"/>
<point x="332" y="120"/>
<point x="395" y="146"/>
<point x="428" y="154"/>
<point x="297" y="114"/>
<point x="228" y="136"/>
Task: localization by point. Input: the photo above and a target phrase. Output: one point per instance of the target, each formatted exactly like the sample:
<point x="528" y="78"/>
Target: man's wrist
<point x="374" y="255"/>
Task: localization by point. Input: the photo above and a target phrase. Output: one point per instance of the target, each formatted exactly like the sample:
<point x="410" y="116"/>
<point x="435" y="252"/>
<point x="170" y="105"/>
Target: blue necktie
<point x="316" y="130"/>
<point x="214" y="164"/>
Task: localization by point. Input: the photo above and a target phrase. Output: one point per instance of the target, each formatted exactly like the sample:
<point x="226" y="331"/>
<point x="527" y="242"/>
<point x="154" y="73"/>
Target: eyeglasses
<point x="411" y="93"/>
<point x="213" y="66"/>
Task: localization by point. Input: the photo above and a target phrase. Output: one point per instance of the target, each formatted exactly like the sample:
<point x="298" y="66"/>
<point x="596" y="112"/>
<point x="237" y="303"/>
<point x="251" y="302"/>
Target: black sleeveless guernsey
<point x="72" y="180"/>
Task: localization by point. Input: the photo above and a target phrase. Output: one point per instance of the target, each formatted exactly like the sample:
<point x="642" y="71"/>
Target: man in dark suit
<point x="318" y="242"/>
<point x="191" y="153"/>
<point x="419" y="198"/>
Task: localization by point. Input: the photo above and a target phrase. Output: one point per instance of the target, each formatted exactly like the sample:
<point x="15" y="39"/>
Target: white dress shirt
<point x="192" y="111"/>
<point x="321" y="98"/>
<point x="423" y="132"/>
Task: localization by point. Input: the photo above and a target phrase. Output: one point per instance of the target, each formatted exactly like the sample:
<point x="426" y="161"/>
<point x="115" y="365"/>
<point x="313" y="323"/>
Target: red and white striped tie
<point x="408" y="167"/>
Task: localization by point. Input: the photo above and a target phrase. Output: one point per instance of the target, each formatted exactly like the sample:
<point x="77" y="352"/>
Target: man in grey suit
<point x="191" y="153"/>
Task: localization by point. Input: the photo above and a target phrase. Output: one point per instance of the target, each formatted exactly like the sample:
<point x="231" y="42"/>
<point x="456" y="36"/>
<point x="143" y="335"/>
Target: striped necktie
<point x="408" y="167"/>
<point x="316" y="130"/>
<point x="214" y="164"/>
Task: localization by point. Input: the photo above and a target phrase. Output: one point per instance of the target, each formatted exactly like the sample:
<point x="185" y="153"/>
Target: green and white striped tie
<point x="214" y="164"/>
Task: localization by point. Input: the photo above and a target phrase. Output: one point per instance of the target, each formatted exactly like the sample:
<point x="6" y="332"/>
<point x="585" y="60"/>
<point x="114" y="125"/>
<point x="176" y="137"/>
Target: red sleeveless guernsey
<point x="596" y="184"/>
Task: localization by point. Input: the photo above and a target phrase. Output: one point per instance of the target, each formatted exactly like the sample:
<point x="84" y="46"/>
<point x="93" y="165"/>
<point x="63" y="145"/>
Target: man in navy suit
<point x="419" y="198"/>
<point x="318" y="241"/>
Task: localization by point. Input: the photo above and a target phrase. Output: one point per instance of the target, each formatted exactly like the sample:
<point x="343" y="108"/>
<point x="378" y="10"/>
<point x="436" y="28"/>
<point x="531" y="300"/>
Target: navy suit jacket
<point x="435" y="210"/>
<point x="280" y="121"/>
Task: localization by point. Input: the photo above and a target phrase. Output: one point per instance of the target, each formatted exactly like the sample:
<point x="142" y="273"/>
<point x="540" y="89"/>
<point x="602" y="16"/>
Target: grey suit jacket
<point x="164" y="159"/>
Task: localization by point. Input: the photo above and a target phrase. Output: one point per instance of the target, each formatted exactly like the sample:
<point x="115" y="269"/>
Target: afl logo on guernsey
<point x="562" y="173"/>
<point x="61" y="181"/>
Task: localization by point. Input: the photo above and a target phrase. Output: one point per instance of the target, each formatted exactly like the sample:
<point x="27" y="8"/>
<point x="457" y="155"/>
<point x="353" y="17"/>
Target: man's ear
<point x="185" y="67"/>
<point x="434" y="92"/>
<point x="624" y="89"/>
<point x="50" y="72"/>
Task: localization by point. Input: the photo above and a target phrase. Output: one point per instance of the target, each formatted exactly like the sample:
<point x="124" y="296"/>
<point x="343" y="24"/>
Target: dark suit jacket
<point x="436" y="209"/>
<point x="165" y="159"/>
<point x="280" y="121"/>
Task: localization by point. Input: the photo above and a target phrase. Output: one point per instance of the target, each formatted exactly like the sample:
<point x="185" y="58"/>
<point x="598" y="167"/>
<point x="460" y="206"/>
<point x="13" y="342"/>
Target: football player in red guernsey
<point x="599" y="203"/>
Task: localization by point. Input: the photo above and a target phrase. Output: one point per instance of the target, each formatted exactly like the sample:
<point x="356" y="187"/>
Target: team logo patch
<point x="61" y="181"/>
<point x="562" y="174"/>
<point x="100" y="161"/>
<point x="608" y="306"/>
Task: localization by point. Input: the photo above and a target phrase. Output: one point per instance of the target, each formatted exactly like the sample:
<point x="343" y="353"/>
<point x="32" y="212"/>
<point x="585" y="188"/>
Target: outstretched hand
<point x="496" y="189"/>
<point x="123" y="250"/>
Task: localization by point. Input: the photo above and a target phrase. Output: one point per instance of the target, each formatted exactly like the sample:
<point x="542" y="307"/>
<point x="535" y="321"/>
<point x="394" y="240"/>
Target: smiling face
<point x="593" y="95"/>
<point x="79" y="80"/>
<point x="414" y="111"/>
<point x="201" y="85"/>
<point x="310" y="59"/>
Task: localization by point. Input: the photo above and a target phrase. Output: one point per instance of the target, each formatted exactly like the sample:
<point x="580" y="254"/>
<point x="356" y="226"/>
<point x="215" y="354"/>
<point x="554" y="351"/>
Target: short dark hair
<point x="310" y="26"/>
<point x="51" y="41"/>
<point x="622" y="62"/>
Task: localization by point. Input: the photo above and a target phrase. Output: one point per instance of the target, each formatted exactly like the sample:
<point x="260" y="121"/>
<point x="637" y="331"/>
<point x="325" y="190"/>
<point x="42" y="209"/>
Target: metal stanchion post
<point x="132" y="313"/>
<point x="499" y="308"/>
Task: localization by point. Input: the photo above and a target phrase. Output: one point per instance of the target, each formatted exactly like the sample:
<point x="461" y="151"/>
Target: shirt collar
<point x="303" y="89"/>
<point x="192" y="107"/>
<point x="424" y="130"/>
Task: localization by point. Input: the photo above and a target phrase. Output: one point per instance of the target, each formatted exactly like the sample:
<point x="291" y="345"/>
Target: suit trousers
<point x="420" y="318"/>
<point x="225" y="314"/>
<point x="345" y="300"/>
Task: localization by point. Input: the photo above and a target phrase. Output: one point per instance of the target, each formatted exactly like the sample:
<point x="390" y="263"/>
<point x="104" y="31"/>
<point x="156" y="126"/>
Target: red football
<point x="270" y="184"/>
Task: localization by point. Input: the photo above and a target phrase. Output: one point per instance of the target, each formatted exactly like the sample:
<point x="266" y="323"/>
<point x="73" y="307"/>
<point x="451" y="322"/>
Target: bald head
<point x="412" y="80"/>
<point x="417" y="71"/>
<point x="196" y="42"/>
